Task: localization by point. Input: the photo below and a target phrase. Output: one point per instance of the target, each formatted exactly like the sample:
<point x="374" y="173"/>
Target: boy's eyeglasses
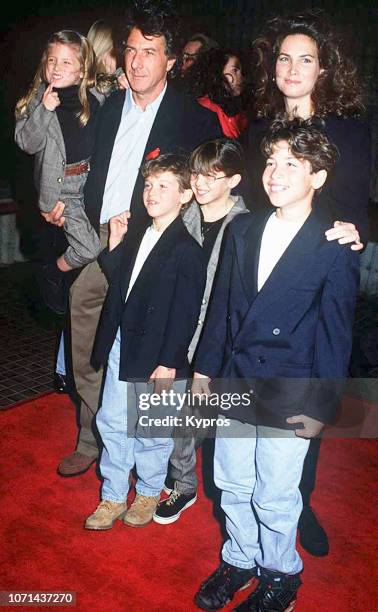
<point x="208" y="178"/>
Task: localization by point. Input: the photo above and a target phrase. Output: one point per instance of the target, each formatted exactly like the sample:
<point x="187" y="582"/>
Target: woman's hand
<point x="55" y="216"/>
<point x="311" y="427"/>
<point x="118" y="226"/>
<point x="345" y="233"/>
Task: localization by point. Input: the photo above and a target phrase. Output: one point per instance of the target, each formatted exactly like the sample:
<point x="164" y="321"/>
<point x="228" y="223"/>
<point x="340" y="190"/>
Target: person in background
<point x="301" y="68"/>
<point x="196" y="45"/>
<point x="109" y="73"/>
<point x="220" y="82"/>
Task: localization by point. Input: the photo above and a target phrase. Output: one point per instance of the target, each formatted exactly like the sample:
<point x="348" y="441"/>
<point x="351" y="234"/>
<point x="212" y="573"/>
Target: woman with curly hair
<point x="219" y="82"/>
<point x="301" y="68"/>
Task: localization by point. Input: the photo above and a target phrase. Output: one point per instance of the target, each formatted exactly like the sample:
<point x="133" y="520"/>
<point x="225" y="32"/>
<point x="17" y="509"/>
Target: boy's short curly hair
<point x="305" y="139"/>
<point x="177" y="163"/>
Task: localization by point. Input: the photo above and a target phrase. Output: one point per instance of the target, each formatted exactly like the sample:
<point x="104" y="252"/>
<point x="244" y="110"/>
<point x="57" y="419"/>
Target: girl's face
<point x="62" y="66"/>
<point x="232" y="71"/>
<point x="213" y="188"/>
<point x="297" y="68"/>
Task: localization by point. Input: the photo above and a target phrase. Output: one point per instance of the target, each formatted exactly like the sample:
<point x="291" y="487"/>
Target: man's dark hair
<point x="219" y="155"/>
<point x="176" y="163"/>
<point x="156" y="18"/>
<point x="306" y="141"/>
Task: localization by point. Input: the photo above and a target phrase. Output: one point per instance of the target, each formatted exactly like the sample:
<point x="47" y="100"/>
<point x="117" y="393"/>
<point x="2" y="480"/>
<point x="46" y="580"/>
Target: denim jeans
<point x="258" y="471"/>
<point x="116" y="418"/>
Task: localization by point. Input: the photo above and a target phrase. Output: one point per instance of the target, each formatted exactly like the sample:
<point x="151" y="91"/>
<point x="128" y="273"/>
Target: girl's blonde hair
<point x="86" y="58"/>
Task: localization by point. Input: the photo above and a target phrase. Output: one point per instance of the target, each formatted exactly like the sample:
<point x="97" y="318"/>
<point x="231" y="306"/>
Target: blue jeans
<point x="258" y="472"/>
<point x="116" y="418"/>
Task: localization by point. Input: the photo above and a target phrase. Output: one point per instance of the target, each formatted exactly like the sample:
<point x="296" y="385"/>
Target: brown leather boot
<point x="74" y="464"/>
<point x="141" y="511"/>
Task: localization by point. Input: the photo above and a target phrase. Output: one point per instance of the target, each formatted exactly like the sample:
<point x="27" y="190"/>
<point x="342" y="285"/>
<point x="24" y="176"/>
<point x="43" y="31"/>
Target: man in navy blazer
<point x="147" y="120"/>
<point x="281" y="322"/>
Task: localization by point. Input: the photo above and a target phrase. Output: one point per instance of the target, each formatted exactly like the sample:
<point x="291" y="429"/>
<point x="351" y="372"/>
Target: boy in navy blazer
<point x="282" y="309"/>
<point x="156" y="281"/>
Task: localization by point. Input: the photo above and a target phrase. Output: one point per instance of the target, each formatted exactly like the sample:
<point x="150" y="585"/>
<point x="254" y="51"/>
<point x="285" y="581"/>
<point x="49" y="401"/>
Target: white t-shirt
<point x="150" y="238"/>
<point x="278" y="234"/>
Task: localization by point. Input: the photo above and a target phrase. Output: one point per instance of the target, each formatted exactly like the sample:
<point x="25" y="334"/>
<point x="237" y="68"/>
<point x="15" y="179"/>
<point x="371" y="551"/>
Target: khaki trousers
<point x="86" y="299"/>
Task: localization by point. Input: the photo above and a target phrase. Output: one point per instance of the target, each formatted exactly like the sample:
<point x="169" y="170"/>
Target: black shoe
<point x="169" y="510"/>
<point x="60" y="383"/>
<point x="53" y="287"/>
<point x="312" y="536"/>
<point x="169" y="485"/>
<point x="222" y="585"/>
<point x="275" y="593"/>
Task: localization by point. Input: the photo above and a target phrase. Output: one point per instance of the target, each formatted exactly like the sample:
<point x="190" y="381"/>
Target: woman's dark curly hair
<point x="156" y="18"/>
<point x="205" y="77"/>
<point x="337" y="90"/>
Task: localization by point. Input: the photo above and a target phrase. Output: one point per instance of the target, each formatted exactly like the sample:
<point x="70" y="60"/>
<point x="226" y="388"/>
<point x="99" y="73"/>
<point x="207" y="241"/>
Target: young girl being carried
<point x="56" y="121"/>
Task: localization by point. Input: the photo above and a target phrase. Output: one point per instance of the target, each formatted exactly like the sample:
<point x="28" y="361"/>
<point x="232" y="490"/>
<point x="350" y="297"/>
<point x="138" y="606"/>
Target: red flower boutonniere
<point x="153" y="154"/>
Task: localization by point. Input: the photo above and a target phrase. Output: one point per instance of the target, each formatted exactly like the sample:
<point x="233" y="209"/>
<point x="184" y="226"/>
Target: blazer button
<point x="59" y="179"/>
<point x="150" y="309"/>
<point x="63" y="163"/>
<point x="261" y="360"/>
<point x="276" y="331"/>
<point x="142" y="332"/>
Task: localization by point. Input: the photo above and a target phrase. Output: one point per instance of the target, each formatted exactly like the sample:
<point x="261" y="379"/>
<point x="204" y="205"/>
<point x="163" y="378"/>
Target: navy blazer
<point x="160" y="315"/>
<point x="345" y="195"/>
<point x="298" y="326"/>
<point x="180" y="123"/>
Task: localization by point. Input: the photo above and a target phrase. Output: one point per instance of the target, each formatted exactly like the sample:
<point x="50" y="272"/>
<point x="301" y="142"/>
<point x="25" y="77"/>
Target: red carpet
<point x="158" y="568"/>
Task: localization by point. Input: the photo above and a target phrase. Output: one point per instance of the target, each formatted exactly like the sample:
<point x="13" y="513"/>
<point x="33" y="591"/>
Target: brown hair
<point x="169" y="162"/>
<point x="337" y="90"/>
<point x="85" y="56"/>
<point x="219" y="155"/>
<point x="305" y="141"/>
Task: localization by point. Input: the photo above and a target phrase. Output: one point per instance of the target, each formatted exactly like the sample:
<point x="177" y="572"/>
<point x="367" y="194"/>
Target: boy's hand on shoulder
<point x="118" y="226"/>
<point x="345" y="233"/>
<point x="311" y="427"/>
<point x="200" y="384"/>
<point x="163" y="378"/>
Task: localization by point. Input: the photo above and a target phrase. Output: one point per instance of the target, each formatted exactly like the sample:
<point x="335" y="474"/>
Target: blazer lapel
<point x="247" y="254"/>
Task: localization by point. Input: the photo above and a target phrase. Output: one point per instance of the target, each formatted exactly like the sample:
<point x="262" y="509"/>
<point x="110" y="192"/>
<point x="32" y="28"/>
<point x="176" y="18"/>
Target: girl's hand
<point x="123" y="83"/>
<point x="163" y="378"/>
<point x="345" y="233"/>
<point x="55" y="216"/>
<point x="118" y="228"/>
<point x="50" y="98"/>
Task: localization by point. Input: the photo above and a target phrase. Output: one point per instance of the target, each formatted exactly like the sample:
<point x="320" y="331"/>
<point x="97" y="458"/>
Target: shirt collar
<point x="153" y="106"/>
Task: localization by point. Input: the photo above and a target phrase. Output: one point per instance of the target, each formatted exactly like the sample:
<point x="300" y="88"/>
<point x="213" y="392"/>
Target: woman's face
<point x="232" y="72"/>
<point x="297" y="68"/>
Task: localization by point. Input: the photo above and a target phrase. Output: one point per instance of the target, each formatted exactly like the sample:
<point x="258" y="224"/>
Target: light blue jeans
<point x="116" y="420"/>
<point x="258" y="472"/>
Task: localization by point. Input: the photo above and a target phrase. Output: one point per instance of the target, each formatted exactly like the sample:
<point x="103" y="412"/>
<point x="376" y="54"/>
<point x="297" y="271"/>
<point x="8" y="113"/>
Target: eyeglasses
<point x="189" y="56"/>
<point x="208" y="178"/>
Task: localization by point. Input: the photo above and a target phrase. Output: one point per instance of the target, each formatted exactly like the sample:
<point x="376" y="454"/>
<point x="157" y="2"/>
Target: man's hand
<point x="163" y="378"/>
<point x="118" y="227"/>
<point x="311" y="429"/>
<point x="55" y="216"/>
<point x="200" y="385"/>
<point x="50" y="98"/>
<point x="345" y="233"/>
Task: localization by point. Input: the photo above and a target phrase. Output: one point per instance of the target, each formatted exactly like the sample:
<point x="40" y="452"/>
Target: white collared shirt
<point x="127" y="155"/>
<point x="150" y="238"/>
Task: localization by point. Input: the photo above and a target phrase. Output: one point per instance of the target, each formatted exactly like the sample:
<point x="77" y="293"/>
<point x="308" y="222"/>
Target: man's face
<point x="289" y="181"/>
<point x="190" y="54"/>
<point x="146" y="64"/>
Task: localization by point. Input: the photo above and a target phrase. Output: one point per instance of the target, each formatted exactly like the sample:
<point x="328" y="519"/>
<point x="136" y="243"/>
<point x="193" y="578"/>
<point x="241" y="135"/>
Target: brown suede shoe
<point x="105" y="515"/>
<point x="74" y="464"/>
<point x="141" y="511"/>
